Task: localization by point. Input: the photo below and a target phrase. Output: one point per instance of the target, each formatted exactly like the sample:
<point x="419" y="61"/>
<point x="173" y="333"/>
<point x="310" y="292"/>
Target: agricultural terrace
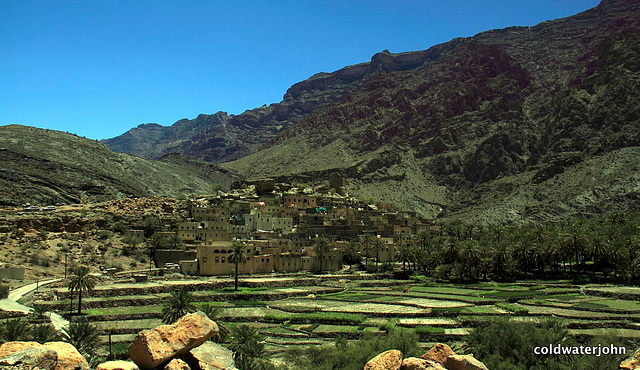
<point x="296" y="311"/>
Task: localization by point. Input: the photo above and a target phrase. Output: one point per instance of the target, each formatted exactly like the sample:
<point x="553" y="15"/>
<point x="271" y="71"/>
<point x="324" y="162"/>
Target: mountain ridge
<point x="502" y="104"/>
<point x="486" y="127"/>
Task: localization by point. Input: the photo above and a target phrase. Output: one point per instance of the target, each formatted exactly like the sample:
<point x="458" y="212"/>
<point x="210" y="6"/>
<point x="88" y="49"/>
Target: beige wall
<point x="213" y="260"/>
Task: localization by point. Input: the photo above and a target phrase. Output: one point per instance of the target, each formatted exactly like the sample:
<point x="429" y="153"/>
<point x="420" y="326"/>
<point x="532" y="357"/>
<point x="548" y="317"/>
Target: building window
<point x="204" y="260"/>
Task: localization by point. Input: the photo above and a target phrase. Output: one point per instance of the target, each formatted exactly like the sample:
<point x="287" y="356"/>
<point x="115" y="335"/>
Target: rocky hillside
<point x="48" y="167"/>
<point x="530" y="123"/>
<point x="522" y="123"/>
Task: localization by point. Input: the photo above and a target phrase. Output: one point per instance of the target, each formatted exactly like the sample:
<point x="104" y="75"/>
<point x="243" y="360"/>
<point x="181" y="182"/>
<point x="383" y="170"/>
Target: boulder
<point x="210" y="356"/>
<point x="39" y="358"/>
<point x="8" y="348"/>
<point x="118" y="365"/>
<point x="464" y="362"/>
<point x="438" y="353"/>
<point x="414" y="363"/>
<point x="628" y="364"/>
<point x="68" y="356"/>
<point x="389" y="360"/>
<point x="177" y="364"/>
<point x="153" y="348"/>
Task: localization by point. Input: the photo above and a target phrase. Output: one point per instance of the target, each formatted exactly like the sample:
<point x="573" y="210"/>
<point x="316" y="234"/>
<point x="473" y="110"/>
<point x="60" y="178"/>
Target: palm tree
<point x="79" y="281"/>
<point x="179" y="303"/>
<point x="366" y="242"/>
<point x="350" y="255"/>
<point x="237" y="256"/>
<point x="424" y="239"/>
<point x="378" y="244"/>
<point x="245" y="342"/>
<point x="470" y="256"/>
<point x="44" y="333"/>
<point x="321" y="247"/>
<point x="15" y="330"/>
<point x="83" y="336"/>
<point x="403" y="255"/>
<point x="213" y="313"/>
<point x="175" y="241"/>
<point x="157" y="241"/>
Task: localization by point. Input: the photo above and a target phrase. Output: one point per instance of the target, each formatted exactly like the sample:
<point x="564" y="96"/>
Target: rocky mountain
<point x="523" y="123"/>
<point x="47" y="167"/>
<point x="221" y="137"/>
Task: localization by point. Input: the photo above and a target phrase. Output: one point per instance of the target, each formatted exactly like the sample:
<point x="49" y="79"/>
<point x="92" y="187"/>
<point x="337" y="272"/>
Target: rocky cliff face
<point x="489" y="117"/>
<point x="490" y="125"/>
<point x="221" y="137"/>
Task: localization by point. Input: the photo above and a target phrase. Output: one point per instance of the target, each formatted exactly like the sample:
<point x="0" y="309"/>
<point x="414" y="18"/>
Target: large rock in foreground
<point x="631" y="363"/>
<point x="440" y="357"/>
<point x="413" y="363"/>
<point x="68" y="356"/>
<point x="39" y="358"/>
<point x="177" y="364"/>
<point x="154" y="347"/>
<point x="438" y="353"/>
<point x="210" y="356"/>
<point x="389" y="360"/>
<point x="117" y="365"/>
<point x="464" y="362"/>
<point x="6" y="349"/>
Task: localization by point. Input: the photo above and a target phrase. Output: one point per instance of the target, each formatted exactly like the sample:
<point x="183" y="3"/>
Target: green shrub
<point x="419" y="278"/>
<point x="387" y="267"/>
<point x="505" y="344"/>
<point x="4" y="291"/>
<point x="105" y="234"/>
<point x="513" y="308"/>
<point x="119" y="227"/>
<point x="372" y="268"/>
<point x="425" y="329"/>
<point x="354" y="355"/>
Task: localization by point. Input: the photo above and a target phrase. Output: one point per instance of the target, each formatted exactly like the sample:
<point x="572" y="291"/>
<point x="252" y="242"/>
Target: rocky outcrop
<point x="68" y="356"/>
<point x="177" y="364"/>
<point x="464" y="362"/>
<point x="439" y="357"/>
<point x="632" y="362"/>
<point x="438" y="353"/>
<point x="8" y="348"/>
<point x="29" y="359"/>
<point x="155" y="347"/>
<point x="118" y="365"/>
<point x="389" y="360"/>
<point x="414" y="363"/>
<point x="210" y="356"/>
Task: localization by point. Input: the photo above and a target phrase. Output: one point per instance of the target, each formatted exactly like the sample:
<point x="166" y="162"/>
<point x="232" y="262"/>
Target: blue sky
<point x="99" y="68"/>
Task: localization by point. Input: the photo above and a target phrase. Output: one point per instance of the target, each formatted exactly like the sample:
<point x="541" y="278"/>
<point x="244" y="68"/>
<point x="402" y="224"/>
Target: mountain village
<point x="281" y="232"/>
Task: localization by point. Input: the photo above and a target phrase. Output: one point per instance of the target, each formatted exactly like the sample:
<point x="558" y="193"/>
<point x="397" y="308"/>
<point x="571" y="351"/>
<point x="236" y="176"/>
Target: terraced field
<point x="331" y="306"/>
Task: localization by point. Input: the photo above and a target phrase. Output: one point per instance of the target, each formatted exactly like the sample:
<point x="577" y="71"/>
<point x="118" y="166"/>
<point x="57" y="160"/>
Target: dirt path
<point x="11" y="303"/>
